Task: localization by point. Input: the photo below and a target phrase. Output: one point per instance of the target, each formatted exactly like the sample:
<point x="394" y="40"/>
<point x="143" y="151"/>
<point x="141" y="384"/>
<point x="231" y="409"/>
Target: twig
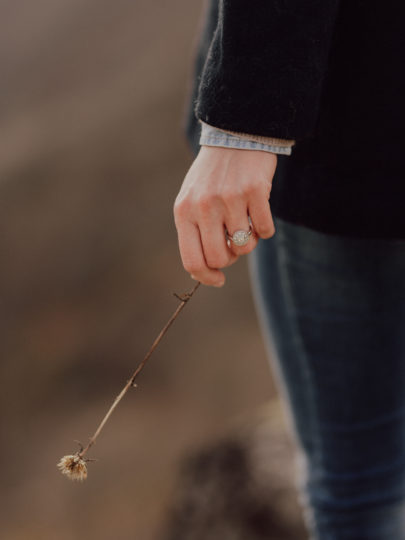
<point x="131" y="382"/>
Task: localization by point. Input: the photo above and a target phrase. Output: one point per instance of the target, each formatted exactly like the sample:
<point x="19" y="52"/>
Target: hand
<point x="222" y="189"/>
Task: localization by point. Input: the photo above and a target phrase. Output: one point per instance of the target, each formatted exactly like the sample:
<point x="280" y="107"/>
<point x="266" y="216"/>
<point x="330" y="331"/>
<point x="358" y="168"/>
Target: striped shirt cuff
<point x="212" y="136"/>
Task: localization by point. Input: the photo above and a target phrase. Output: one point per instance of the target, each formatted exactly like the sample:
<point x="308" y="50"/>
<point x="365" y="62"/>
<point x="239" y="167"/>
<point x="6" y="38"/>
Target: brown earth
<point x="91" y="157"/>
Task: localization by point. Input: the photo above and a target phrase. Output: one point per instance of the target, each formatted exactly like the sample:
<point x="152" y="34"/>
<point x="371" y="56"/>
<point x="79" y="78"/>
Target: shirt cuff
<point x="212" y="136"/>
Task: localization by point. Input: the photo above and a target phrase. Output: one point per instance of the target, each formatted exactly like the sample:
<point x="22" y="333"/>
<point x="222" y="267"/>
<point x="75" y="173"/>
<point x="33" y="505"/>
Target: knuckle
<point x="252" y="188"/>
<point x="256" y="188"/>
<point x="192" y="268"/>
<point x="205" y="204"/>
<point x="247" y="190"/>
<point x="217" y="261"/>
<point x="230" y="195"/>
<point x="232" y="260"/>
<point x="250" y="247"/>
<point x="181" y="208"/>
<point x="242" y="250"/>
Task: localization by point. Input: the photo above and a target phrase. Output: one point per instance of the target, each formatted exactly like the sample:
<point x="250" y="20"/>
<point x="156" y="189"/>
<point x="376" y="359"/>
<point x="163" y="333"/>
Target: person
<point x="296" y="118"/>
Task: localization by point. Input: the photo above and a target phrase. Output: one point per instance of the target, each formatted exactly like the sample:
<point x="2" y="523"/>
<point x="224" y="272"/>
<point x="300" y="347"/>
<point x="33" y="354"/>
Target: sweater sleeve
<point x="266" y="65"/>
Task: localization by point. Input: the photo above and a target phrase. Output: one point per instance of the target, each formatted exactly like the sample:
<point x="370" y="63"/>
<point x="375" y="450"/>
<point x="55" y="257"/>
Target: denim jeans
<point x="332" y="309"/>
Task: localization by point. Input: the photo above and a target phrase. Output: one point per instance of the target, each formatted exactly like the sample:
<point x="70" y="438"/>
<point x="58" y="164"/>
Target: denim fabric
<point x="332" y="309"/>
<point x="210" y="136"/>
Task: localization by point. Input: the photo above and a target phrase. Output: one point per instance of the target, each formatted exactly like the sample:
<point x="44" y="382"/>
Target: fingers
<point x="193" y="257"/>
<point x="238" y="219"/>
<point x="204" y="246"/>
<point x="260" y="214"/>
<point x="221" y="191"/>
<point x="216" y="251"/>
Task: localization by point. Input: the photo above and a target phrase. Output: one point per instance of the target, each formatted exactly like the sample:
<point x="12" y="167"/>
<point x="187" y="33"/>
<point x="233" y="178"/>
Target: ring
<point x="240" y="238"/>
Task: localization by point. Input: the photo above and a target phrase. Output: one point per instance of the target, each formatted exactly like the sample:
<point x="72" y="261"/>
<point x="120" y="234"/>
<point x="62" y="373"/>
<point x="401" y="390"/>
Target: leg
<point x="333" y="312"/>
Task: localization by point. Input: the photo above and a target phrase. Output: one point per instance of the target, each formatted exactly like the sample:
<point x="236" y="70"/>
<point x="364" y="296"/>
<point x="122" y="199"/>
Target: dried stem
<point x="131" y="382"/>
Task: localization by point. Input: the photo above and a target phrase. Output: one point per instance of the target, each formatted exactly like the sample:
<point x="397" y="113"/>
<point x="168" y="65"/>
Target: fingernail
<point x="193" y="277"/>
<point x="219" y="283"/>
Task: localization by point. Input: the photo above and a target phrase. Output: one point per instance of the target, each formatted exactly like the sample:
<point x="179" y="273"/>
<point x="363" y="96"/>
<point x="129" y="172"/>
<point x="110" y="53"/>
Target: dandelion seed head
<point x="74" y="467"/>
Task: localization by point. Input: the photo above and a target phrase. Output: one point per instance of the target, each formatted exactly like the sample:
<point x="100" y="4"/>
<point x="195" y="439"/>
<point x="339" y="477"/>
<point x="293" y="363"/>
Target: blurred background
<point x="92" y="154"/>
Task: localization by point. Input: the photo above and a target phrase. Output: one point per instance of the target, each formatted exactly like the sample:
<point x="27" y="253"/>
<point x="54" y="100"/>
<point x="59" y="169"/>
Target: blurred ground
<point x="91" y="158"/>
<point x="240" y="486"/>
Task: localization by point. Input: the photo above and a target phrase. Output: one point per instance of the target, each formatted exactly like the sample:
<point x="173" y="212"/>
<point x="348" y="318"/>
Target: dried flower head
<point x="74" y="467"/>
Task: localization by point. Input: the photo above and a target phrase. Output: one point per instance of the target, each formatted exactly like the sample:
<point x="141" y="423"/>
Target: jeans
<point x="332" y="309"/>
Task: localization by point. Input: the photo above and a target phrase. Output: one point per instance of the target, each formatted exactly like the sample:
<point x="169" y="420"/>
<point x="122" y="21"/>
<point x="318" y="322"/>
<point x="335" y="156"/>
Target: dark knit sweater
<point x="330" y="75"/>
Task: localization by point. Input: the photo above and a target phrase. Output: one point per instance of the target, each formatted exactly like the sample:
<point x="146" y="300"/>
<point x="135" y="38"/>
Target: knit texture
<point x="267" y="52"/>
<point x="330" y="76"/>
